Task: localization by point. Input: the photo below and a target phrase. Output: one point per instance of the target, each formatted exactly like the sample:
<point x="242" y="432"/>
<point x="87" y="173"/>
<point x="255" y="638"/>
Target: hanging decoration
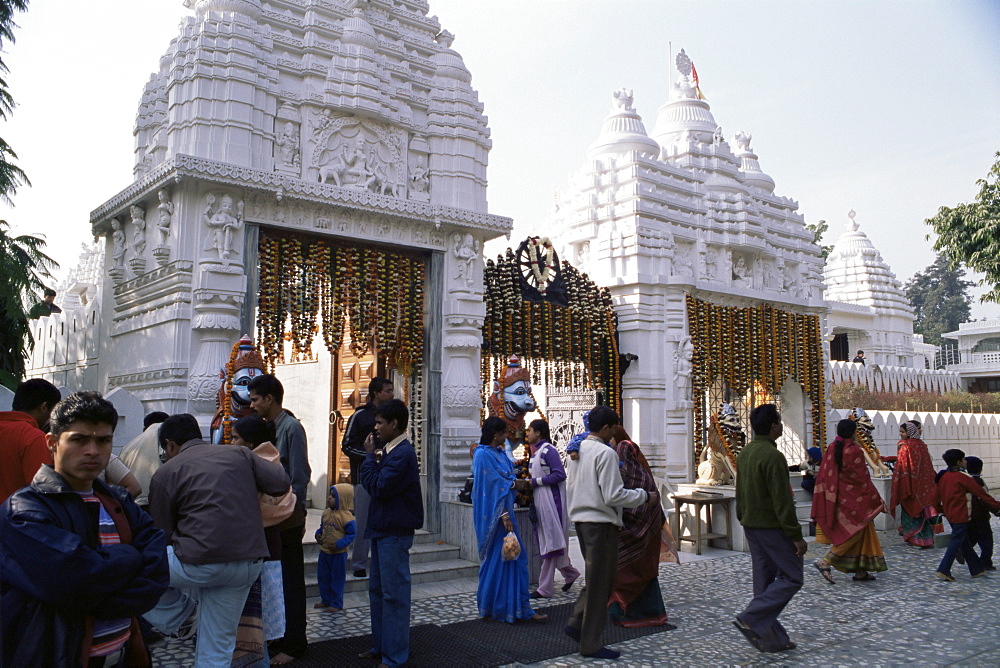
<point x="758" y="346"/>
<point x="554" y="318"/>
<point x="308" y="285"/>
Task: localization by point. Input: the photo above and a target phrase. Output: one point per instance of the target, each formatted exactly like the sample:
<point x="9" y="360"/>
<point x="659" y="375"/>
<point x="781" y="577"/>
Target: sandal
<point x="825" y="571"/>
<point x="867" y="576"/>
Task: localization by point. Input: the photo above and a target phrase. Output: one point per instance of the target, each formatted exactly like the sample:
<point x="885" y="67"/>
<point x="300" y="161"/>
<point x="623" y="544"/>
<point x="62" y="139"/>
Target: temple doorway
<point x="349" y="380"/>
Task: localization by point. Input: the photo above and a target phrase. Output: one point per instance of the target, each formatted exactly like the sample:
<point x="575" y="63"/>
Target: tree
<point x="23" y="268"/>
<point x="23" y="264"/>
<point x="970" y="233"/>
<point x="818" y="230"/>
<point x="940" y="298"/>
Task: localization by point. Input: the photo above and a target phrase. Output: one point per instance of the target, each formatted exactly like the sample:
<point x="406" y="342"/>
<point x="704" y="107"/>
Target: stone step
<point x="309" y="546"/>
<point x="420" y="553"/>
<point x="420" y="573"/>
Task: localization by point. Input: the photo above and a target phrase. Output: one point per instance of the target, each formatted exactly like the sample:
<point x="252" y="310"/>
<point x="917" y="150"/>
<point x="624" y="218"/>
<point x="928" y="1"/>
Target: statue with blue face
<point x="233" y="400"/>
<point x="511" y="400"/>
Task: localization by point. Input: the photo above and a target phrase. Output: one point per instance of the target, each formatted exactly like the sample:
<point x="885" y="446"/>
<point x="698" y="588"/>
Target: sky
<point x="890" y="108"/>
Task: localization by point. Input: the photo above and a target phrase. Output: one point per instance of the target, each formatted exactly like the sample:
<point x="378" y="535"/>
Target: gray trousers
<point x="777" y="575"/>
<point x="599" y="544"/>
<point x="359" y="556"/>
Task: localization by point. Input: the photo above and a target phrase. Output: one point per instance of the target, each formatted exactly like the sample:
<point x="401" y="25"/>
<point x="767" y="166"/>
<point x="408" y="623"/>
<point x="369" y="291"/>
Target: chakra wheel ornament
<point x="540" y="273"/>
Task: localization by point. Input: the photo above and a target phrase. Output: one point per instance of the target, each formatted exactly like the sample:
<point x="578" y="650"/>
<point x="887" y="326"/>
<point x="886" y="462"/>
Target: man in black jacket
<point x="360" y="428"/>
<point x="76" y="554"/>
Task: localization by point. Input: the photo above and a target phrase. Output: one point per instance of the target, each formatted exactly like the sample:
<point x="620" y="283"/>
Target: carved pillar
<point x="464" y="310"/>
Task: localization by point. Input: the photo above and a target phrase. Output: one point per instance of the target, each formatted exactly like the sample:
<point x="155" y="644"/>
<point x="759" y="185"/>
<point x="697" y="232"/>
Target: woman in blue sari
<point x="503" y="585"/>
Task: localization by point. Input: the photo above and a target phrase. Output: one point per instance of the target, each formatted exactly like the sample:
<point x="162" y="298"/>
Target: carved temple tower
<point x="348" y="121"/>
<point x="681" y="213"/>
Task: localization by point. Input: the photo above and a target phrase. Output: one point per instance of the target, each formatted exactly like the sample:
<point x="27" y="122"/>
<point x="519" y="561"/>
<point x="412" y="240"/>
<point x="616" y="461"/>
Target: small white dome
<point x="623" y="130"/>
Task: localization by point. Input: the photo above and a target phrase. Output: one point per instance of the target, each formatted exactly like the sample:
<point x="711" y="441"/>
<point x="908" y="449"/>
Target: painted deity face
<point x="242" y="378"/>
<point x="517" y="399"/>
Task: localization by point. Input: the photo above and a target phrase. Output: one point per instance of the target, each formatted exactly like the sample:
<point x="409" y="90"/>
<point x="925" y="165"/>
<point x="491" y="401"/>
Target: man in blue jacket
<point x="78" y="560"/>
<point x="391" y="476"/>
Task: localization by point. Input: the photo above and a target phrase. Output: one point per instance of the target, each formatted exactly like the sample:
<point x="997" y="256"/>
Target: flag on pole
<point x="694" y="77"/>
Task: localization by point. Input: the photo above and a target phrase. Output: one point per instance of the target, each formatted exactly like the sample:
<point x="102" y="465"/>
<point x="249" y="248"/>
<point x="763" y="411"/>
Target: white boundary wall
<point x="975" y="433"/>
<point x="898" y="379"/>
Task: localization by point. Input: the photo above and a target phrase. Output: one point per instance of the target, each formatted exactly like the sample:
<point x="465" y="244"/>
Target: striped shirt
<point x="110" y="635"/>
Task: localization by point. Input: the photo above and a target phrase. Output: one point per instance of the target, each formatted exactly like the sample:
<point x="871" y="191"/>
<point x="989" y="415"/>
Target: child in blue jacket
<point x="335" y="535"/>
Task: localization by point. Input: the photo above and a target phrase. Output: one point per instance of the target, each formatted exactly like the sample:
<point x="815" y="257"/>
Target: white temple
<point x="681" y="212"/>
<point x="868" y="309"/>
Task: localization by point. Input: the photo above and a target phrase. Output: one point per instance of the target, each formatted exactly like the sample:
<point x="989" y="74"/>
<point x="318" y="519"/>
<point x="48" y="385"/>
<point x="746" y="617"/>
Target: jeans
<point x="389" y="596"/>
<point x="361" y="547"/>
<point x="221" y="591"/>
<point x="959" y="535"/>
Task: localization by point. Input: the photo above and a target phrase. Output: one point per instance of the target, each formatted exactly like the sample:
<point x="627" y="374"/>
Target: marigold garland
<point x="574" y="345"/>
<point x="760" y="346"/>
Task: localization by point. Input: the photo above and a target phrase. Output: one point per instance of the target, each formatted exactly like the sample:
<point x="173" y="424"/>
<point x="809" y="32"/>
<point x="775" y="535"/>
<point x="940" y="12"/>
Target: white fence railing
<point x="899" y="379"/>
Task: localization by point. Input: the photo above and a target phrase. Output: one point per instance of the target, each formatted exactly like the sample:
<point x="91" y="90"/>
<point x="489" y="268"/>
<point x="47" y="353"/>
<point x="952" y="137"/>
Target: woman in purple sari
<point x="548" y="480"/>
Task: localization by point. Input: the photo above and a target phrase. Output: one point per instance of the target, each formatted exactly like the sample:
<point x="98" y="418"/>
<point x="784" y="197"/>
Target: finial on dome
<point x="683" y="63"/>
<point x="622" y="99"/>
<point x="445" y="39"/>
<point x="852" y="225"/>
<point x="742" y="140"/>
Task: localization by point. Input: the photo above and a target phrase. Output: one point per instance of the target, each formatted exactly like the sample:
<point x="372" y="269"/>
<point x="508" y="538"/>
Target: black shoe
<point x="604" y="653"/>
<point x="361" y="573"/>
<point x="572" y="632"/>
<point x="569" y="585"/>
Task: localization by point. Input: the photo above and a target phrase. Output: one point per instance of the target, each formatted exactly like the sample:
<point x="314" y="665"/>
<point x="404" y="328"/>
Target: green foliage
<point x="970" y="233"/>
<point x="940" y="298"/>
<point x="24" y="267"/>
<point x="847" y="395"/>
<point x="818" y="230"/>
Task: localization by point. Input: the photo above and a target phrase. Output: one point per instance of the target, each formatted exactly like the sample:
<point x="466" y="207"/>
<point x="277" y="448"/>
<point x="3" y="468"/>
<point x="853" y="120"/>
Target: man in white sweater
<point x="596" y="499"/>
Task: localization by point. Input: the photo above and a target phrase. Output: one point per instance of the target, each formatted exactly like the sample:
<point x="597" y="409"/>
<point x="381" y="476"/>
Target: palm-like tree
<point x="23" y="264"/>
<point x="24" y="267"/>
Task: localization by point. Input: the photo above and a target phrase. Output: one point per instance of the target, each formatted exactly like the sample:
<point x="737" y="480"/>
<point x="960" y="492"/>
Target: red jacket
<point x="956" y="489"/>
<point x="23" y="450"/>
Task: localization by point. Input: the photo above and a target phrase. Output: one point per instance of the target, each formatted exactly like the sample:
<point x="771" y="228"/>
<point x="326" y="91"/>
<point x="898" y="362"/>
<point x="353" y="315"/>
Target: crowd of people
<point x="187" y="538"/>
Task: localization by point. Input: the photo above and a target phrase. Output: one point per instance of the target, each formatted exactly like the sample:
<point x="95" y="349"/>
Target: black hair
<point x="49" y="292"/>
<point x="156" y="417"/>
<point x="542" y="427"/>
<point x="491" y="427"/>
<point x="394" y="409"/>
<point x="762" y="417"/>
<point x="602" y="416"/>
<point x="33" y="393"/>
<point x="861" y="352"/>
<point x="973" y="465"/>
<point x="953" y="456"/>
<point x="267" y="385"/>
<point x="180" y="429"/>
<point x="254" y="429"/>
<point x="376" y="385"/>
<point x="846" y="428"/>
<point x="88" y="407"/>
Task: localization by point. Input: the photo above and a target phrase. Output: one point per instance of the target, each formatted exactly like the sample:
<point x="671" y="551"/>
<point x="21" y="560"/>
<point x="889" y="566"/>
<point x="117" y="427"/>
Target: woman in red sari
<point x="845" y="502"/>
<point x="636" y="599"/>
<point x="913" y="489"/>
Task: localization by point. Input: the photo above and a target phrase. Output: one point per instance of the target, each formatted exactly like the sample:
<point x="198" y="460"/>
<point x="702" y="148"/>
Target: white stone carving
<point x="223" y="222"/>
<point x="165" y="212"/>
<point x="465" y="250"/>
<point x="138" y="229"/>
<point x="419" y="182"/>
<point x="288" y="146"/>
<point x="118" y="241"/>
<point x="741" y="273"/>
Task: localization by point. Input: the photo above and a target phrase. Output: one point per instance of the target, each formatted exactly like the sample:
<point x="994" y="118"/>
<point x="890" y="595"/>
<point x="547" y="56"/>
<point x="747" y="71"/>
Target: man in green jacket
<point x="766" y="509"/>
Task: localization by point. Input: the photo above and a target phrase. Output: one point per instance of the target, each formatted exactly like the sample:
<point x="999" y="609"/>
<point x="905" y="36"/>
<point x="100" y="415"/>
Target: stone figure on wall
<point x="385" y="183"/>
<point x="288" y="146"/>
<point x="118" y="241"/>
<point x="710" y="270"/>
<point x="583" y="254"/>
<point x="682" y="261"/>
<point x="741" y="274"/>
<point x="138" y="229"/>
<point x="165" y="212"/>
<point x="757" y="272"/>
<point x="465" y="251"/>
<point x="222" y="224"/>
<point x="322" y="125"/>
<point x="359" y="172"/>
<point x="771" y="277"/>
<point x="683" y="361"/>
<point x="418" y="176"/>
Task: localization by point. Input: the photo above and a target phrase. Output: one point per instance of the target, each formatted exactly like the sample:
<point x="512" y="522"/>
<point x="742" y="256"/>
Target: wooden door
<point x="350" y="379"/>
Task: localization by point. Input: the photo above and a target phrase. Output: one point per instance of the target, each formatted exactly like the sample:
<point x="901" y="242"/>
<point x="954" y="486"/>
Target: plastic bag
<point x="511" y="548"/>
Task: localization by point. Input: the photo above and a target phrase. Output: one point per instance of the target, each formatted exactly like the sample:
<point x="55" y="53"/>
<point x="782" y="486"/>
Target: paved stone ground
<point x="906" y="617"/>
